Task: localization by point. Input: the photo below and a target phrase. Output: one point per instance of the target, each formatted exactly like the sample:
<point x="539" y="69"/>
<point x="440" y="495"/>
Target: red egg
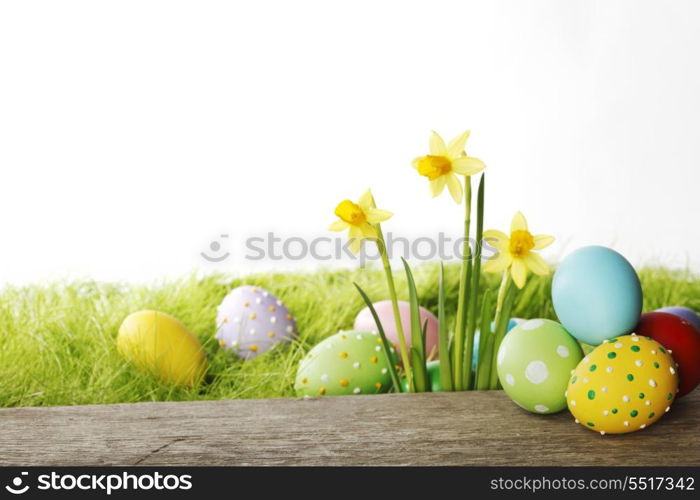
<point x="683" y="341"/>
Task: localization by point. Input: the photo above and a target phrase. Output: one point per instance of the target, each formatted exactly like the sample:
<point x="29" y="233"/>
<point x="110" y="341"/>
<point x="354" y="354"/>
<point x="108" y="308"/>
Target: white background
<point x="132" y="133"/>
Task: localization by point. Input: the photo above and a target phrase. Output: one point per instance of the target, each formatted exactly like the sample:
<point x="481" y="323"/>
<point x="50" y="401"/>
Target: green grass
<point x="57" y="342"/>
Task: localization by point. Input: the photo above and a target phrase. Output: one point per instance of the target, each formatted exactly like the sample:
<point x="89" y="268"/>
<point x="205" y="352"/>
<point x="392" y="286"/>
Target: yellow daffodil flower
<point x="444" y="162"/>
<point x="359" y="218"/>
<point x="516" y="252"/>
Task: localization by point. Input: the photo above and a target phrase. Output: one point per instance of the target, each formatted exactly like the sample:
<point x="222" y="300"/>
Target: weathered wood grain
<point x="476" y="428"/>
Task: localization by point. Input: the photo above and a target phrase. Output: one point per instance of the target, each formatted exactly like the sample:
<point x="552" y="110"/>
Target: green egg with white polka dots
<point x="347" y="363"/>
<point x="534" y="364"/>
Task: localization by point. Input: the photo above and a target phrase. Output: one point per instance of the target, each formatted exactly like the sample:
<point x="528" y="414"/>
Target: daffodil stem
<point x="395" y="307"/>
<point x="499" y="328"/>
<point x="464" y="279"/>
<point x="474" y="292"/>
<point x="502" y="293"/>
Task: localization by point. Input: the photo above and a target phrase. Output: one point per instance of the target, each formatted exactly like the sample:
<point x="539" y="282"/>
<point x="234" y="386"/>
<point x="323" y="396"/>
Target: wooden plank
<point x="475" y="428"/>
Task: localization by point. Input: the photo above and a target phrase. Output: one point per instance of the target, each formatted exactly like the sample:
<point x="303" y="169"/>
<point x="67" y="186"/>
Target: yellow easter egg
<point x="624" y="385"/>
<point x="158" y="343"/>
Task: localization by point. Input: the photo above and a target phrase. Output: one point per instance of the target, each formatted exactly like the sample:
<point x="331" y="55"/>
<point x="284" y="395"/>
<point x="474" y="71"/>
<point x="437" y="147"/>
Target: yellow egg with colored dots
<point x="623" y="385"/>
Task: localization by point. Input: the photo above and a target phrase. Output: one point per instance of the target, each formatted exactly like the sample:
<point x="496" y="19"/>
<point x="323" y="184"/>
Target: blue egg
<point x="597" y="294"/>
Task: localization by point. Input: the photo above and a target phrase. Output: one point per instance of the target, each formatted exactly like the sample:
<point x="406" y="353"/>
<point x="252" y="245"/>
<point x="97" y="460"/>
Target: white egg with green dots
<point x="534" y="363"/>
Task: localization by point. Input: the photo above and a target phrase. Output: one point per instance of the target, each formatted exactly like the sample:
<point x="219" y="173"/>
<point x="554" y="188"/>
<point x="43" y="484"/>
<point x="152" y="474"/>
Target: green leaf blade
<point x="386" y="347"/>
<point x="418" y="360"/>
<point x="443" y="341"/>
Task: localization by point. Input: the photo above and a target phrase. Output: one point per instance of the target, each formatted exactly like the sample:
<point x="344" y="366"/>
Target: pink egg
<point x="365" y="322"/>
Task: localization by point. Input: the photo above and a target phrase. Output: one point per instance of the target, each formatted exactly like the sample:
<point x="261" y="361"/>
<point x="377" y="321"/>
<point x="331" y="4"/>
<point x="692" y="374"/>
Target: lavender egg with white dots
<point x="252" y="321"/>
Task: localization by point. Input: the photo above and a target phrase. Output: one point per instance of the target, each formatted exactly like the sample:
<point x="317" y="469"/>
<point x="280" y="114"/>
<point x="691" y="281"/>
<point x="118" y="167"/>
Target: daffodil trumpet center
<point x="351" y="213"/>
<point x="521" y="242"/>
<point x="432" y="166"/>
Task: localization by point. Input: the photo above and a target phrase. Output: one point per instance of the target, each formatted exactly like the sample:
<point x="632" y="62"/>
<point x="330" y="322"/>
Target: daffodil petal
<point x="519" y="272"/>
<point x="542" y="241"/>
<point x="498" y="263"/>
<point x="536" y="264"/>
<point x="437" y="185"/>
<point x="466" y="165"/>
<point x="376" y="215"/>
<point x="366" y="201"/>
<point x="455" y="187"/>
<point x="368" y="231"/>
<point x="355" y="232"/>
<point x="496" y="239"/>
<point x="456" y="146"/>
<point x="519" y="223"/>
<point x="339" y="225"/>
<point x="355" y="245"/>
<point x="415" y="161"/>
<point x="437" y="145"/>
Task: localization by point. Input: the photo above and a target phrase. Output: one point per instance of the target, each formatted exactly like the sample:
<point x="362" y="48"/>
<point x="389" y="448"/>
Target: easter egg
<point x="685" y="313"/>
<point x="365" y="322"/>
<point x="433" y="368"/>
<point x="624" y="385"/>
<point x="534" y="362"/>
<point x="158" y="343"/>
<point x="681" y="339"/>
<point x="596" y="294"/>
<point x="349" y="362"/>
<point x="251" y="321"/>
